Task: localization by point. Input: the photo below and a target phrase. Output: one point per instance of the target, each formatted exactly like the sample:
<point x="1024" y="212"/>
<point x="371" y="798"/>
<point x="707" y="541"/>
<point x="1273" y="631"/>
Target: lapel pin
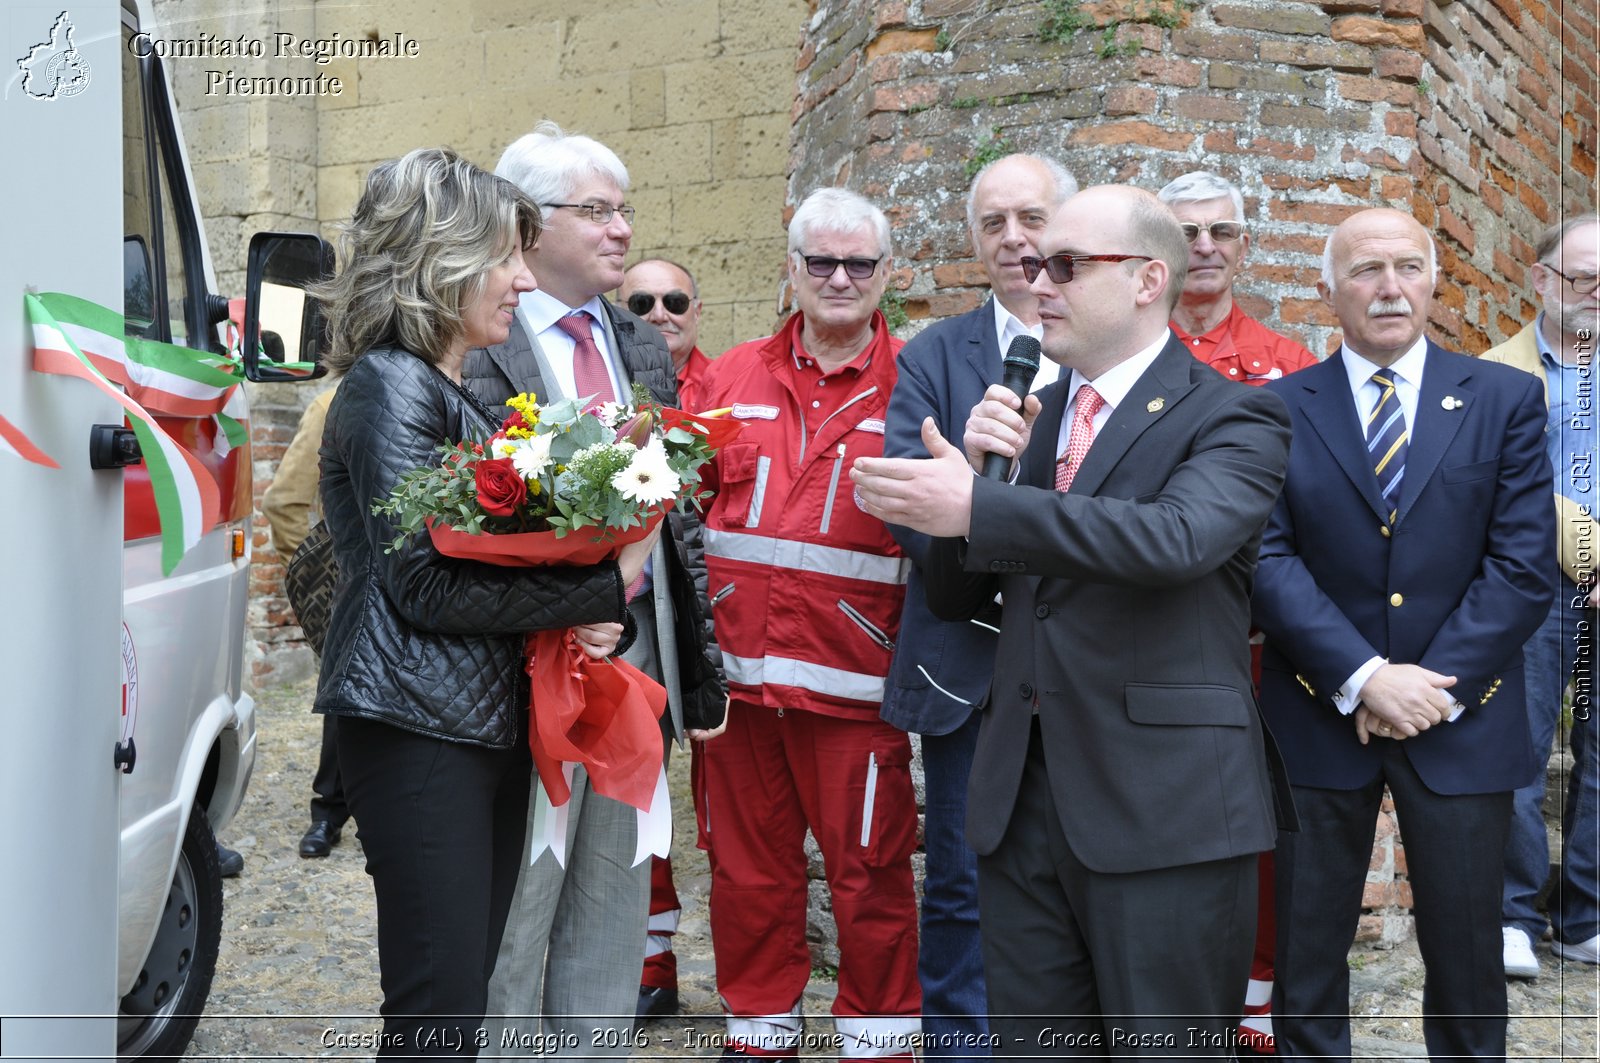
<point x="1155" y="405"/>
<point x="1450" y="402"/>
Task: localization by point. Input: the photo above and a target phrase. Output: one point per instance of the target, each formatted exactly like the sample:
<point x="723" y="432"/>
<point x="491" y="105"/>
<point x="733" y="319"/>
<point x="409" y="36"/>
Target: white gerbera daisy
<point x="648" y="478"/>
<point x="531" y="458"/>
<point x="502" y="447"/>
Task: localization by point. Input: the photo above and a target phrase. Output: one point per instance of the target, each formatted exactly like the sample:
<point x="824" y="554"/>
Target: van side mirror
<point x="138" y="291"/>
<point x="284" y="330"/>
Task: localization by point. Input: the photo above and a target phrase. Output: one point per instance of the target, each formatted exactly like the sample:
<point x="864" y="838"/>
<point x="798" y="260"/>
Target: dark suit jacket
<point x="1127" y="617"/>
<point x="496" y="373"/>
<point x="1457" y="586"/>
<point x="941" y="669"/>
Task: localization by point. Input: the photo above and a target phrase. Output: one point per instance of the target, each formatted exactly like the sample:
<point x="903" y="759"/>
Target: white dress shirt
<point x="1113" y="386"/>
<point x="539" y="313"/>
<point x="1007" y="327"/>
<point x="1406" y="371"/>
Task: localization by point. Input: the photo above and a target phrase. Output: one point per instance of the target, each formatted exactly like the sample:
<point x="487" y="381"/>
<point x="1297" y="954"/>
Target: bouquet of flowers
<point x="566" y="484"/>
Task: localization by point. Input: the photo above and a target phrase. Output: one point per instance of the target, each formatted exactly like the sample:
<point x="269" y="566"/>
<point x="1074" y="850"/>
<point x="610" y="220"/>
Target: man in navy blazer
<point x="1404" y="567"/>
<point x="941" y="669"/>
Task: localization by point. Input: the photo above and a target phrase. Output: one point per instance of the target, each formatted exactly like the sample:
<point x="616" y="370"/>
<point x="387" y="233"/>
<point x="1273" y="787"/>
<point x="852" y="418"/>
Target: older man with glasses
<point x="1207" y="320"/>
<point x="1558" y="348"/>
<point x="1210" y="211"/>
<point x="806" y="592"/>
<point x="570" y="955"/>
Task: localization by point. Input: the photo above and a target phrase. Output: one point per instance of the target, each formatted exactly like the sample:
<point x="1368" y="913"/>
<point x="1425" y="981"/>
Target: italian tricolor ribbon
<point x="185" y="492"/>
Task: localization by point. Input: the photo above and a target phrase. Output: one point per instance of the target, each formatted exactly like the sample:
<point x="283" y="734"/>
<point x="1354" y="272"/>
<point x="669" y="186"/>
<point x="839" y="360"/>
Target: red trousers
<point x="768" y="778"/>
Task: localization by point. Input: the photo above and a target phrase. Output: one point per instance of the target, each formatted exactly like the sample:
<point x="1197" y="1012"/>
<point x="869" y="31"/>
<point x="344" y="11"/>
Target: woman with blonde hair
<point x="423" y="661"/>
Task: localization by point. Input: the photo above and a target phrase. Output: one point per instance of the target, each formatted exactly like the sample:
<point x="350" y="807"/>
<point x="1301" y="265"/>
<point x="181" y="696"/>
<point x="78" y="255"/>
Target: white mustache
<point x="1380" y="307"/>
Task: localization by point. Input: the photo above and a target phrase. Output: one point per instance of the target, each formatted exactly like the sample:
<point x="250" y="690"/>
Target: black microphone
<point x="1021" y="364"/>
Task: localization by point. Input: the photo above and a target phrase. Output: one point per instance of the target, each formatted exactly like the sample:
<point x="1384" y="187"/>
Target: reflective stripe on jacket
<point x="806" y="588"/>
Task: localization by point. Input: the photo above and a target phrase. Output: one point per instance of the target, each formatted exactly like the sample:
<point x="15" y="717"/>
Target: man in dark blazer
<point x="1120" y="792"/>
<point x="575" y="939"/>
<point x="941" y="668"/>
<point x="1403" y="569"/>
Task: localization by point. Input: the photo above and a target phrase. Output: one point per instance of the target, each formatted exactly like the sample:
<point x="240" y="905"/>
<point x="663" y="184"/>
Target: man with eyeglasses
<point x="569" y="959"/>
<point x="664" y="294"/>
<point x="1405" y="564"/>
<point x="1558" y="348"/>
<point x="941" y="669"/>
<point x="1210" y="210"/>
<point x="806" y="591"/>
<point x="1120" y="790"/>
<point x="1214" y="328"/>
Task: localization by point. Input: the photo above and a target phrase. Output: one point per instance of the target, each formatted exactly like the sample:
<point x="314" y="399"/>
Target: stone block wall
<point x="693" y="96"/>
<point x="1478" y="116"/>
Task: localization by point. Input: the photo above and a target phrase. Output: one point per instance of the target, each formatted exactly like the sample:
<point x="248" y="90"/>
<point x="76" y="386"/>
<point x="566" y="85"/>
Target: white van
<point x="124" y="728"/>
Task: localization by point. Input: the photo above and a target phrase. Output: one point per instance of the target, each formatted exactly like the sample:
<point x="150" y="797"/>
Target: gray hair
<point x="1201" y="185"/>
<point x="839" y="211"/>
<point x="1065" y="184"/>
<point x="428" y="228"/>
<point x="1549" y="245"/>
<point x="694" y="285"/>
<point x="548" y="164"/>
<point x="1333" y="283"/>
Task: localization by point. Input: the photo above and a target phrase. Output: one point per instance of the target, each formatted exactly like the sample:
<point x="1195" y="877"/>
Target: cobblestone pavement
<point x="298" y="973"/>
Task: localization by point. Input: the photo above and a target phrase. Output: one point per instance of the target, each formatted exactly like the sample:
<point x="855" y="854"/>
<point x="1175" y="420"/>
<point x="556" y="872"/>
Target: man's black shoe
<point x="654" y="1002"/>
<point x="229" y="863"/>
<point x="320" y="839"/>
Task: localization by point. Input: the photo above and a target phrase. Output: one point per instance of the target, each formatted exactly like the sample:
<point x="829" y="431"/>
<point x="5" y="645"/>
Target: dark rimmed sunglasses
<point x="858" y="269"/>
<point x="1059" y="267"/>
<point x="1222" y="232"/>
<point x="675" y="302"/>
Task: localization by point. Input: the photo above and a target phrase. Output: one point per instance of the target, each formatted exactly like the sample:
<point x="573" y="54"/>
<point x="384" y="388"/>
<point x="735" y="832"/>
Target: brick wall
<point x="1476" y="115"/>
<point x="694" y="97"/>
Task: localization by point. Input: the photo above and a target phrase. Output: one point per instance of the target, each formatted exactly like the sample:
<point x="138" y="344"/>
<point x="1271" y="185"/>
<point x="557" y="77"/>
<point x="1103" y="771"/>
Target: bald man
<point x="1120" y="791"/>
<point x="1405" y="564"/>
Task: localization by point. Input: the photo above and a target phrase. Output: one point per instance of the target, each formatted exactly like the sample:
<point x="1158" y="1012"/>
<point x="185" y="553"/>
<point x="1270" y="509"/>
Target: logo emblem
<point x="55" y="69"/>
<point x="1155" y="405"/>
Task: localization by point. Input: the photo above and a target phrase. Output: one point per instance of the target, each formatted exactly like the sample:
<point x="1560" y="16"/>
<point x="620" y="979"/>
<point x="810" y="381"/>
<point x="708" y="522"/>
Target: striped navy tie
<point x="1386" y="443"/>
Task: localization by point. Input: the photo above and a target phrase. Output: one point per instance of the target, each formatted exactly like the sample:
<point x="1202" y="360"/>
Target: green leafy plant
<point x="893" y="305"/>
<point x="990" y="148"/>
<point x="965" y="103"/>
<point x="1062" y="20"/>
<point x="941" y="40"/>
<point x="1111" y="48"/>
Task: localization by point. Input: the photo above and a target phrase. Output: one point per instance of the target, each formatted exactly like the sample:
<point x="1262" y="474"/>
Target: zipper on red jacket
<point x="833" y="488"/>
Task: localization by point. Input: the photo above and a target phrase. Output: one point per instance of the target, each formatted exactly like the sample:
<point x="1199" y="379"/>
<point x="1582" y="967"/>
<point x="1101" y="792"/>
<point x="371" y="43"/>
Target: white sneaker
<point x="1517" y="952"/>
<point x="1583" y="952"/>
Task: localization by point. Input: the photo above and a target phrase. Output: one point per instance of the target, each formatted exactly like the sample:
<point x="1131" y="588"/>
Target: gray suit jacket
<point x="518" y="365"/>
<point x="1126" y="620"/>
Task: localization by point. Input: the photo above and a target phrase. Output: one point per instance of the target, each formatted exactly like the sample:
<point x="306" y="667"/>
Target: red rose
<point x="513" y="420"/>
<point x="500" y="487"/>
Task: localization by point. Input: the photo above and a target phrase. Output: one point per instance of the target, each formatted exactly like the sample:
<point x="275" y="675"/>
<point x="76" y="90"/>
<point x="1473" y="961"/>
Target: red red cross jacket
<point x="805" y="587"/>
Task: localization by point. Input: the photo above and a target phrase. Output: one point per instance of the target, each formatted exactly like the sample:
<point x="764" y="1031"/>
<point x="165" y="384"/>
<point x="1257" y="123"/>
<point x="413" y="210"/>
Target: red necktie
<point x="1088" y="404"/>
<point x="588" y="367"/>
<point x="589" y="377"/>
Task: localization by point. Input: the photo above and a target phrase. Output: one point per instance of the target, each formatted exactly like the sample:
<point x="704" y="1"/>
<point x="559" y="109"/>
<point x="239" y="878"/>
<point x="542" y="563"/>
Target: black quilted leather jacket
<point x="417" y="639"/>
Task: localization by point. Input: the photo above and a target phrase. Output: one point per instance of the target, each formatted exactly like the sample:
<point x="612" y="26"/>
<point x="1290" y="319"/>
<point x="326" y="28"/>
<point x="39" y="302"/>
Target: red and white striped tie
<point x="1088" y="404"/>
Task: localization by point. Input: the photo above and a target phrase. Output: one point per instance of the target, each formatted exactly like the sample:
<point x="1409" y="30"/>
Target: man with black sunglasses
<point x="664" y="294"/>
<point x="806" y="591"/>
<point x="1208" y="321"/>
<point x="1120" y="789"/>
